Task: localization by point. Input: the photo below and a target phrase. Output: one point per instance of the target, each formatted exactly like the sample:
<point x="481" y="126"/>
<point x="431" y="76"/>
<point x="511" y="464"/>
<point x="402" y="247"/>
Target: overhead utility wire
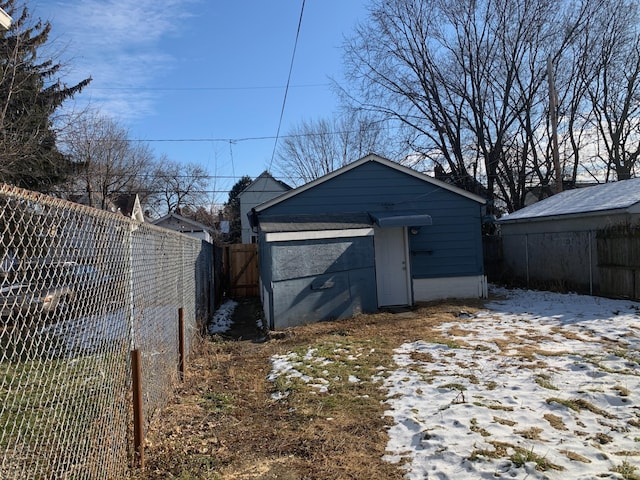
<point x="286" y="90"/>
<point x="197" y="89"/>
<point x="245" y="139"/>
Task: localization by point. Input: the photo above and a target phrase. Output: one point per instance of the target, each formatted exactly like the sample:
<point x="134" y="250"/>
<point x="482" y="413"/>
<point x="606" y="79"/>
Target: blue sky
<point x="208" y="70"/>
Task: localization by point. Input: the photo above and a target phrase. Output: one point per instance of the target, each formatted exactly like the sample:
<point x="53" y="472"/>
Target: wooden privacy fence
<point x="241" y="270"/>
<point x="602" y="262"/>
<point x="619" y="261"/>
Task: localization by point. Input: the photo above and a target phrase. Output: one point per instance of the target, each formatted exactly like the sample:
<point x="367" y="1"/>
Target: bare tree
<point x="614" y="90"/>
<point x="106" y="162"/>
<point x="314" y="148"/>
<point x="179" y="185"/>
<point x="469" y="80"/>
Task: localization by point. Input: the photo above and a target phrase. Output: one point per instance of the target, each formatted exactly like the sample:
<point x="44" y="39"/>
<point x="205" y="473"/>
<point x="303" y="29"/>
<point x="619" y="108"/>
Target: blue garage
<point x="372" y="234"/>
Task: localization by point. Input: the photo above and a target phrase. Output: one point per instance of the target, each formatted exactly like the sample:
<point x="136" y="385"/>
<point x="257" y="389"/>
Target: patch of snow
<point x="451" y="411"/>
<point x="279" y="395"/>
<point x="222" y="318"/>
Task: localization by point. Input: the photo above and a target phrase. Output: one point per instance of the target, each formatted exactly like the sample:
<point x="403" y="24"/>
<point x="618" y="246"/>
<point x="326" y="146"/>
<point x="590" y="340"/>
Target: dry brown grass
<point x="575" y="456"/>
<point x="555" y="421"/>
<point x="223" y="423"/>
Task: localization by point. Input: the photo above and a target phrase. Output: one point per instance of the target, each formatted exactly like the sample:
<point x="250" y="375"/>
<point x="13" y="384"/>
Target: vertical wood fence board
<point x="619" y="262"/>
<point x="241" y="270"/>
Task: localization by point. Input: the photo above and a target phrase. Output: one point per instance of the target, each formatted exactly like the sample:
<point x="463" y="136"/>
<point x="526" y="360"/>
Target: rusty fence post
<point x="181" y="355"/>
<point x="138" y="416"/>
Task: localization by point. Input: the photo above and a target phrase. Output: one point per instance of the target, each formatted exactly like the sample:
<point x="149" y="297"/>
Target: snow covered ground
<point x="537" y="386"/>
<point x="222" y="318"/>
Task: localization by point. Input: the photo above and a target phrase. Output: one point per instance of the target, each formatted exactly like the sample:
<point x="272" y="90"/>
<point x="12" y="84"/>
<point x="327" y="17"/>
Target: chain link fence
<point x="80" y="290"/>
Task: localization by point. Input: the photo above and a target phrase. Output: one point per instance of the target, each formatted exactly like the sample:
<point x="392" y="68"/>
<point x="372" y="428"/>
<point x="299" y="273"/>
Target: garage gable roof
<point x="597" y="199"/>
<point x="356" y="164"/>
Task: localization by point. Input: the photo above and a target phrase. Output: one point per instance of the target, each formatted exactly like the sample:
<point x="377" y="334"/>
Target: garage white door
<point x="392" y="275"/>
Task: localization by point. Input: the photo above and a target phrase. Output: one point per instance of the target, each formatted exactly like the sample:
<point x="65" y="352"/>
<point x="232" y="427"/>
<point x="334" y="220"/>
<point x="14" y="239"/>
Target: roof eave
<point x="564" y="216"/>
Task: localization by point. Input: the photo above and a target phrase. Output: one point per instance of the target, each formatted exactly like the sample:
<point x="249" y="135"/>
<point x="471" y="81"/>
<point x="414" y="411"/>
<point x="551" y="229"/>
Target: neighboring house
<point x="567" y="240"/>
<point x="262" y="189"/>
<point x="177" y="222"/>
<point x="126" y="204"/>
<point x="129" y="206"/>
<point x="371" y="234"/>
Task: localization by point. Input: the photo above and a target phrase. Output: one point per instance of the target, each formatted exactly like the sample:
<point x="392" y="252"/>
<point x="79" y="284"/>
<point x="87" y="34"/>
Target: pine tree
<point x="232" y="209"/>
<point x="30" y="93"/>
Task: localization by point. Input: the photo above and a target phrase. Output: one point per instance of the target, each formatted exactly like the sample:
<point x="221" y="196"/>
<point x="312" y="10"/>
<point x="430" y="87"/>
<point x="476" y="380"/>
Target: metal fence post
<point x="526" y="253"/>
<point x="131" y="300"/>
<point x="181" y="354"/>
<point x="138" y="416"/>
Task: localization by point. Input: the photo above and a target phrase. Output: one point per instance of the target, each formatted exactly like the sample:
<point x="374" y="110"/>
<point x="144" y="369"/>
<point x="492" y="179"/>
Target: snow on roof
<point x="607" y="196"/>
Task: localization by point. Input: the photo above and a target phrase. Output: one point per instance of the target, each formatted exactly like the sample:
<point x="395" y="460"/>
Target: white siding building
<point x="262" y="189"/>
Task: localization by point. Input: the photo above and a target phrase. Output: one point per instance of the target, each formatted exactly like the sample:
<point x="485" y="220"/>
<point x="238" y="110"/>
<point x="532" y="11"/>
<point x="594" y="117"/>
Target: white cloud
<point x="119" y="43"/>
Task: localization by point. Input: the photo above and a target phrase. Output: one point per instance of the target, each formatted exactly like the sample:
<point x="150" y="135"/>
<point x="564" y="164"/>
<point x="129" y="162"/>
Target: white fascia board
<point x="317" y="234"/>
<point x="5" y="20"/>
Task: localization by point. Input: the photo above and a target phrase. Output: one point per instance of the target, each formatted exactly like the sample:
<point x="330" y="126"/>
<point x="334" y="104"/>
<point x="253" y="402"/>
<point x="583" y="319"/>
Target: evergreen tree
<point x="30" y="93"/>
<point x="232" y="209"/>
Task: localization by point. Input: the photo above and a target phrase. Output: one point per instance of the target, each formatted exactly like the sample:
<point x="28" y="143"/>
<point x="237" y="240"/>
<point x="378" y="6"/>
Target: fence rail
<point x="80" y="289"/>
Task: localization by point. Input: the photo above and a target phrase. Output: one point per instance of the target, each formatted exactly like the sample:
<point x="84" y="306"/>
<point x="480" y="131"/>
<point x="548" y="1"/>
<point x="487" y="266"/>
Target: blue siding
<point x="454" y="240"/>
<point x="334" y="278"/>
<point x="347" y="293"/>
<point x="371" y="187"/>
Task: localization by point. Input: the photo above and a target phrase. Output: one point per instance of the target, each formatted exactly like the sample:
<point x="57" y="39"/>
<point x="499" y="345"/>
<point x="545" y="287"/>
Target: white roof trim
<point x="356" y="164"/>
<point x="318" y="234"/>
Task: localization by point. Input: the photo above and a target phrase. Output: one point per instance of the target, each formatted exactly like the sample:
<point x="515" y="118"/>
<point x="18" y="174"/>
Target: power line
<point x="224" y="140"/>
<point x="248" y="139"/>
<point x="152" y="192"/>
<point x="286" y="90"/>
<point x="199" y="89"/>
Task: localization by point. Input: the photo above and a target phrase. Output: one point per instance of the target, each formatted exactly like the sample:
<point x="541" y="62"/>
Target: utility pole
<point x="553" y="118"/>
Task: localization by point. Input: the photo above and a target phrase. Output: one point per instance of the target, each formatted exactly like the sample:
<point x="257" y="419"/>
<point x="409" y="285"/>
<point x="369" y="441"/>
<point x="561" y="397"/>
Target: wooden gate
<point x="241" y="270"/>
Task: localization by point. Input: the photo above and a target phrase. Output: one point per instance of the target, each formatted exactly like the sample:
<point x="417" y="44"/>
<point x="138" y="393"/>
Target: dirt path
<point x="247" y="318"/>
